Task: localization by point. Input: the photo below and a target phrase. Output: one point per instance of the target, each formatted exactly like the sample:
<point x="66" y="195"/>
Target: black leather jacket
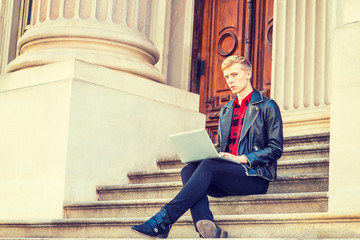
<point x="261" y="138"/>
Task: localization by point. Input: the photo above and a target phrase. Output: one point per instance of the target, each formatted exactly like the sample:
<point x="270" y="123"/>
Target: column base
<point x="307" y="121"/>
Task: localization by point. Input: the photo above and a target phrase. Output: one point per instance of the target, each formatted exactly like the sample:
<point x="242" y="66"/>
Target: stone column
<point x="9" y="22"/>
<point x="113" y="34"/>
<point x="300" y="81"/>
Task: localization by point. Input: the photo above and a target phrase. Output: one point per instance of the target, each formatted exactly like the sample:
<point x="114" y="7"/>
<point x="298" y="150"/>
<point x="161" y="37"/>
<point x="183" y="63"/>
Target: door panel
<point x="262" y="47"/>
<point x="228" y="27"/>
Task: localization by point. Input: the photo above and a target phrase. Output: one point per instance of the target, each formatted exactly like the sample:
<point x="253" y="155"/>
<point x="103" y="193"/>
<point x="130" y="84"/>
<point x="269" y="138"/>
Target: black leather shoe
<point x="158" y="226"/>
<point x="208" y="229"/>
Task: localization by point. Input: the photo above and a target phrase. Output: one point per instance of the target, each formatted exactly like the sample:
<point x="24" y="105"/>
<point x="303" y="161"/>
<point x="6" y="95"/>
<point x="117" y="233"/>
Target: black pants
<point x="214" y="178"/>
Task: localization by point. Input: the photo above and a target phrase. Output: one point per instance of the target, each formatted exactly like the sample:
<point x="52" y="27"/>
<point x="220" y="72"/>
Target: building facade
<point x="89" y="90"/>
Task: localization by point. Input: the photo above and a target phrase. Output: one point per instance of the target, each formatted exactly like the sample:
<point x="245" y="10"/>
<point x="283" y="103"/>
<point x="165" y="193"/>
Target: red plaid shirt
<point x="237" y="123"/>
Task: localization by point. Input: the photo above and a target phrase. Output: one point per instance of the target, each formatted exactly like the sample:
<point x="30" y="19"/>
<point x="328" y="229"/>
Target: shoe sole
<point x="143" y="234"/>
<point x="208" y="229"/>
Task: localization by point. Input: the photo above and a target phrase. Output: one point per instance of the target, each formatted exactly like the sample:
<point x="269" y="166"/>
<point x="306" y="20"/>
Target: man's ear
<point x="248" y="74"/>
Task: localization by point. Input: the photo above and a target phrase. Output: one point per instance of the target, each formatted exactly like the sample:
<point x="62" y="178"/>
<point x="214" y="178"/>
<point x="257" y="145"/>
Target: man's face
<point x="237" y="78"/>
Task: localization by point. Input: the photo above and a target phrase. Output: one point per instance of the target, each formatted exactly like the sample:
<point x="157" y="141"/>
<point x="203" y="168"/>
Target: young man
<point x="250" y="131"/>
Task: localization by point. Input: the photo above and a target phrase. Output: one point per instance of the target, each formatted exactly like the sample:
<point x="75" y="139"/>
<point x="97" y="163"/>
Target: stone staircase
<point x="295" y="206"/>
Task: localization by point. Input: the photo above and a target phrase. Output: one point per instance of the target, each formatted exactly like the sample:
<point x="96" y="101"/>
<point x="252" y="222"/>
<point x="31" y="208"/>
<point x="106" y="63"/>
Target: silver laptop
<point x="194" y="146"/>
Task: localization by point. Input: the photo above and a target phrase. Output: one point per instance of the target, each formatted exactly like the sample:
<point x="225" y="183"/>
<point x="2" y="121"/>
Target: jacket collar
<point x="255" y="98"/>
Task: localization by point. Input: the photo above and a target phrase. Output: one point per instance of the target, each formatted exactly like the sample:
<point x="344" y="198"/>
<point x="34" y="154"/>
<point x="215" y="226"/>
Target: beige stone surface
<point x="306" y="121"/>
<point x="33" y="130"/>
<point x="299" y="226"/>
<point x="9" y="21"/>
<point x="348" y="11"/>
<point x="180" y="37"/>
<point x="160" y="31"/>
<point x="73" y="126"/>
<point x="345" y="129"/>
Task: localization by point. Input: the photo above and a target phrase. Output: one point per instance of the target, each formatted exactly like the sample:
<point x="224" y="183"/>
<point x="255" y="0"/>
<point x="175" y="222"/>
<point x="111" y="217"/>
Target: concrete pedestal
<point x="70" y="126"/>
<point x="344" y="189"/>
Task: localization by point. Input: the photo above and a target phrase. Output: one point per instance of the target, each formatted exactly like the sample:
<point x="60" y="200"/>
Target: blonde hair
<point x="229" y="61"/>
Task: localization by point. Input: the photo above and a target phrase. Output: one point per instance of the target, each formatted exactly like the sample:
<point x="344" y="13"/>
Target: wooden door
<point x="223" y="28"/>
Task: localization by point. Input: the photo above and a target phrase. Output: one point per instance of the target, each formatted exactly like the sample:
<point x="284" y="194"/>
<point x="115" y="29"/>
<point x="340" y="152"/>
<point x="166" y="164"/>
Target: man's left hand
<point x="241" y="158"/>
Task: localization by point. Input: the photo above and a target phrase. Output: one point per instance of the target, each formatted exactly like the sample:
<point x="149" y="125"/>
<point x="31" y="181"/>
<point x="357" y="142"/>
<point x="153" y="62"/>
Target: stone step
<point x="288" y="167"/>
<point x="253" y="204"/>
<point x="317" y="182"/>
<point x="146" y="238"/>
<point x="294" y="143"/>
<point x="299" y="225"/>
<point x="303" y="166"/>
<point x="290" y="153"/>
<point x="312" y="139"/>
<point x="171" y="163"/>
<point x="306" y="152"/>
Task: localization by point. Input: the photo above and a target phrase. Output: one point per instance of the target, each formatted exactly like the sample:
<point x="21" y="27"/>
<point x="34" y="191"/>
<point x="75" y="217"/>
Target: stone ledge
<point x="176" y="171"/>
<point x="83" y="71"/>
<point x="148" y="238"/>
<point x="234" y="205"/>
<point x="237" y="199"/>
<point x="142" y="186"/>
<point x="304" y="226"/>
